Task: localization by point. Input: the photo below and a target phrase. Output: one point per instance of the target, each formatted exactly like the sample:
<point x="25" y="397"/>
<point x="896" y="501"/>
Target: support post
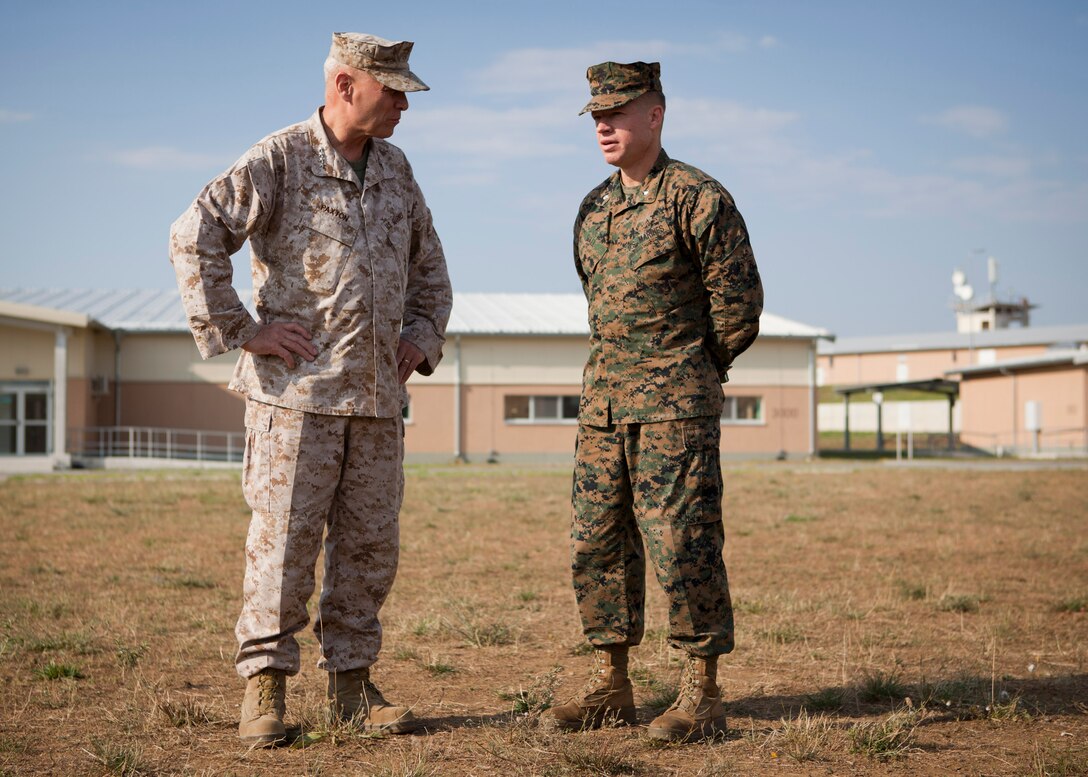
<point x="951" y="427"/>
<point x="60" y="456"/>
<point x="846" y="422"/>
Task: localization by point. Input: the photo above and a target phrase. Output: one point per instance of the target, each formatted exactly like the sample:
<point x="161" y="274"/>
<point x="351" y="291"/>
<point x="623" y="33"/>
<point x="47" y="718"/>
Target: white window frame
<point x="533" y="419"/>
<point x="731" y="401"/>
<point x="20" y="423"/>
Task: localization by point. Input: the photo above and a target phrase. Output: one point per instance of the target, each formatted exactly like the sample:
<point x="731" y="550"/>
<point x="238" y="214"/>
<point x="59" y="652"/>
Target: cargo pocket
<point x="256" y="464"/>
<point x="687" y="477"/>
<point x="702" y="442"/>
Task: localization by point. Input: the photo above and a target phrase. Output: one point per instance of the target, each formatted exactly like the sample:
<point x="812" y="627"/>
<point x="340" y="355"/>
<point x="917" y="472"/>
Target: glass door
<point x="25" y="419"/>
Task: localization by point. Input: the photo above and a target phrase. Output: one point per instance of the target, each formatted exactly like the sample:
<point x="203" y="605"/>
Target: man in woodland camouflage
<point x="352" y="296"/>
<point x="674" y="297"/>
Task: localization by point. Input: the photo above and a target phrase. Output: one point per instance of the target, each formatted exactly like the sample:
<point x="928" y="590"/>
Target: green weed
<point x="825" y="700"/>
<point x="55" y="671"/>
<point x="959" y="603"/>
<point x="890" y="737"/>
<point x="881" y="687"/>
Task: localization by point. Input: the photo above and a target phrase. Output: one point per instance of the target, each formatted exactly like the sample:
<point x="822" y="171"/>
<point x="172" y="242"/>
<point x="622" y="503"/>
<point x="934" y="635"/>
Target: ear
<point x="345" y="85"/>
<point x="657" y="116"/>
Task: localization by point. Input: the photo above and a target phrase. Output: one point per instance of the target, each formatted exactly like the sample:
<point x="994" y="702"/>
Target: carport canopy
<point x="943" y="386"/>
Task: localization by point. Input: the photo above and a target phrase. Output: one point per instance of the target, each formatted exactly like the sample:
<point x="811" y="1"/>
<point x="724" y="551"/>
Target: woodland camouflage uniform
<point x="674" y="297"/>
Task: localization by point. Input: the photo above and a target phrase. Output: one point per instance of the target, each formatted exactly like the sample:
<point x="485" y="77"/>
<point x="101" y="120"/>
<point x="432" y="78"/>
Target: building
<point x="116" y="374"/>
<point x="871" y="368"/>
<point x="851" y="361"/>
<point x="1030" y="406"/>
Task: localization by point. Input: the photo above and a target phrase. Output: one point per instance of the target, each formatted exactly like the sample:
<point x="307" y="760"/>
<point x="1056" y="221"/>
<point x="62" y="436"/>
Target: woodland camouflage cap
<point x="612" y="84"/>
<point x="385" y="60"/>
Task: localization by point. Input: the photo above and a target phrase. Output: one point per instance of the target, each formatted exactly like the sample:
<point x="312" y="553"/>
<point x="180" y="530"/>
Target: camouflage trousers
<point x="660" y="484"/>
<point x="307" y="476"/>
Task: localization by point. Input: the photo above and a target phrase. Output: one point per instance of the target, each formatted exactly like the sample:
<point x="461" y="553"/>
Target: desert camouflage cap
<point x="385" y="60"/>
<point x="612" y="84"/>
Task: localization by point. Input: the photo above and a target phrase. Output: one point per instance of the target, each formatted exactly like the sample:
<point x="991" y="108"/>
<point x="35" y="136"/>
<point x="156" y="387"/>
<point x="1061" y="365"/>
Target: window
<point x="406" y="412"/>
<point x="743" y="410"/>
<point x="561" y="409"/>
<point x="25" y="419"/>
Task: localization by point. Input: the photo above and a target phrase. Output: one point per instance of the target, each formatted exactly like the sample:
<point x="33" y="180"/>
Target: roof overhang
<point x="23" y="316"/>
<point x="944" y="386"/>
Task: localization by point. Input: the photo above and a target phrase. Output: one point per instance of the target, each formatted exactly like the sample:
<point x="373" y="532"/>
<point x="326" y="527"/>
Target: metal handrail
<point x="156" y="443"/>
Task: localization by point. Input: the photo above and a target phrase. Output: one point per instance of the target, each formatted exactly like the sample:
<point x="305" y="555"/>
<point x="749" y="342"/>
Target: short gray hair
<point x="332" y="67"/>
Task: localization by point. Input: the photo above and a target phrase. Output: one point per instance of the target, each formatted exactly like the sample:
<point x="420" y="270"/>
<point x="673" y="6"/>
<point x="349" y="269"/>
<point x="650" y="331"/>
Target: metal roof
<point x="474" y="313"/>
<point x="1061" y="358"/>
<point x="1070" y="334"/>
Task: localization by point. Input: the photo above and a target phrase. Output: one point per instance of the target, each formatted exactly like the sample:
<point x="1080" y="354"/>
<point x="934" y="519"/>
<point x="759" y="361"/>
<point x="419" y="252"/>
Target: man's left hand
<point x="408" y="358"/>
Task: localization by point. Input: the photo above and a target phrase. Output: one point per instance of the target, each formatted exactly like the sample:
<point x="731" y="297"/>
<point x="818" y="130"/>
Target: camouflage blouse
<point x="359" y="265"/>
<point x="674" y="295"/>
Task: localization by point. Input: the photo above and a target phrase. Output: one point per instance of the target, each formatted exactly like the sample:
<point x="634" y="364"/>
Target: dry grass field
<point x="922" y="620"/>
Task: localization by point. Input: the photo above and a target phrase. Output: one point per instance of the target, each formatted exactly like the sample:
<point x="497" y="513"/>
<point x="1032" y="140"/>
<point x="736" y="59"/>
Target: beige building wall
<point x="994" y="409"/>
<point x="27" y="356"/>
<point x="172" y="358"/>
<point x="853" y="369"/>
<point x="773" y="362"/>
<point x="189" y="405"/>
<point x="27" y="353"/>
<point x="536" y="359"/>
<point x="430" y="425"/>
<point x="785" y="425"/>
<point x="485" y="432"/>
<point x="165" y="384"/>
<point x="493" y="368"/>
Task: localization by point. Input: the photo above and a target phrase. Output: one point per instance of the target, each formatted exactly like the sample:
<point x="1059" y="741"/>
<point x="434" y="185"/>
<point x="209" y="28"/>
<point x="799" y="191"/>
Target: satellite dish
<point x="960" y="287"/>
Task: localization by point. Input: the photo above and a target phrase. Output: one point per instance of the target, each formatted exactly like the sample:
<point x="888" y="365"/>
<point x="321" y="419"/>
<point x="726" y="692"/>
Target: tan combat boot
<point x="354" y="698"/>
<point x="263" y="708"/>
<point x="697" y="712"/>
<point x="610" y="698"/>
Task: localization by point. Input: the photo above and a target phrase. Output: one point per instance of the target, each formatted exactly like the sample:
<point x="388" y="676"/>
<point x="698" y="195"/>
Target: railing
<point x="1071" y="441"/>
<point x="154" y="443"/>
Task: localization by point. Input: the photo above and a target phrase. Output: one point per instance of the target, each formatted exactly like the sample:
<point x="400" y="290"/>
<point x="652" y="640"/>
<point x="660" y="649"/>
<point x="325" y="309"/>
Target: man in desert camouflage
<point x="352" y="296"/>
<point x="674" y="297"/>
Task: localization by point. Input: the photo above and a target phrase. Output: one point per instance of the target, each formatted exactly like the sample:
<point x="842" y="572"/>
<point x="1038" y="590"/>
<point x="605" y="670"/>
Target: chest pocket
<point x="658" y="248"/>
<point x="327" y="245"/>
<point x="593" y="240"/>
<point x="664" y="276"/>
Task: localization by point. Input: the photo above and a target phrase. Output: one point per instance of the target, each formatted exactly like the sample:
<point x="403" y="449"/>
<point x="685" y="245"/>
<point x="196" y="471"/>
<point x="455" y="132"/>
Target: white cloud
<point x="995" y="166"/>
<point x="711" y="117"/>
<point x="488" y="133"/>
<point x="535" y="70"/>
<point x="733" y="43"/>
<point x="736" y="134"/>
<point x="525" y="71"/>
<point x="166" y="158"/>
<point x="975" y="120"/>
<point x="14" y="117"/>
<point x="759" y="145"/>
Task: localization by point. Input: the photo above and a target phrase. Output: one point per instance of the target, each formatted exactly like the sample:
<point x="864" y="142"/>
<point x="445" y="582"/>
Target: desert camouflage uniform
<point x="674" y="297"/>
<point x="360" y="267"/>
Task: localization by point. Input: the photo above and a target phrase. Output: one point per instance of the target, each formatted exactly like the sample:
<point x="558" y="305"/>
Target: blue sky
<point x="873" y="147"/>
